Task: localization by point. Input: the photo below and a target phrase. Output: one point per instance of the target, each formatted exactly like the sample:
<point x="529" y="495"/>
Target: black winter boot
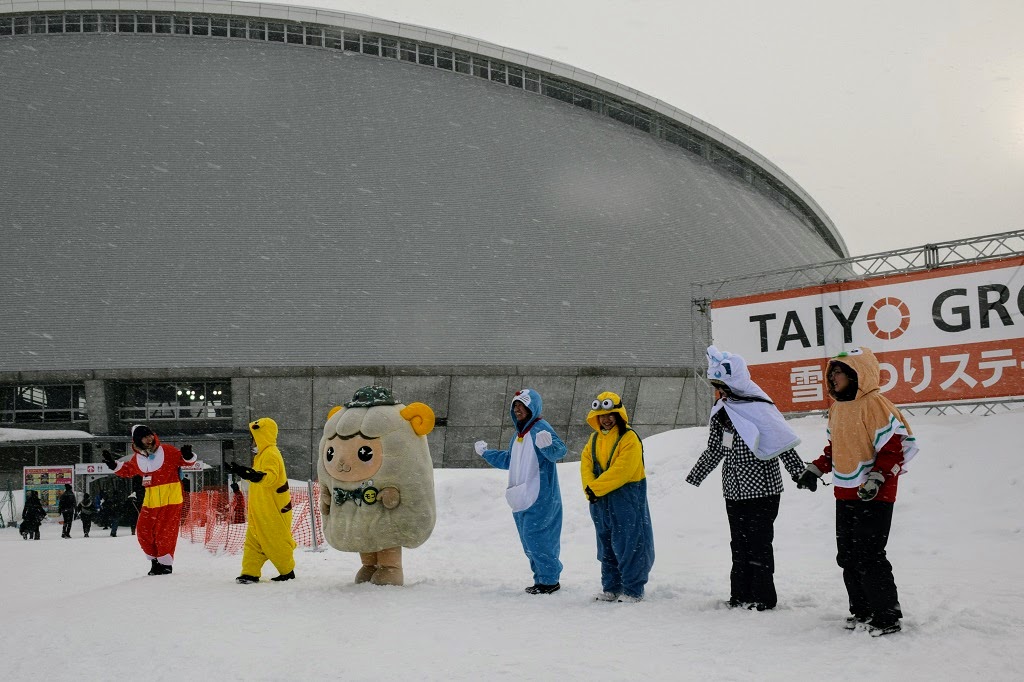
<point x="540" y="588"/>
<point x="154" y="567"/>
<point x="284" y="576"/>
<point x="246" y="579"/>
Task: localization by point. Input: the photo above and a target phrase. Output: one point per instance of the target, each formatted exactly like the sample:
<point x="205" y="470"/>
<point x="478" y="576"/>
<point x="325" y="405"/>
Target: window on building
<point x="179" y="400"/>
<point x="43" y="403"/>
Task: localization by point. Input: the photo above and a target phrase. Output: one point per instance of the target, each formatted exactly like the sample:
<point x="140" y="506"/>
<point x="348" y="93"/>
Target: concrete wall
<point x="469" y="403"/>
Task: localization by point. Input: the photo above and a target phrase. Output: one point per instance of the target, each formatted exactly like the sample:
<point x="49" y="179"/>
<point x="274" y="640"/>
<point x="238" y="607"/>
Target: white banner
<point x="948" y="334"/>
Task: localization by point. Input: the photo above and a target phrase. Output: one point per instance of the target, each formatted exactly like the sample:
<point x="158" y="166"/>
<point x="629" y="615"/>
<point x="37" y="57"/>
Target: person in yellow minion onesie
<point x="614" y="480"/>
<point x="269" y="535"/>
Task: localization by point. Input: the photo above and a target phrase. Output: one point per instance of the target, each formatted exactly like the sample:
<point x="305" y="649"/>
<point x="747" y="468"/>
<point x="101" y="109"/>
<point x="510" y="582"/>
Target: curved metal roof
<point x="714" y="144"/>
<point x="173" y="202"/>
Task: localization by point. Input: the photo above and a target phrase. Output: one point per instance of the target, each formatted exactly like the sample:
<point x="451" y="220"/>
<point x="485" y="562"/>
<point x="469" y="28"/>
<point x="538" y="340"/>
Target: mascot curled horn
<point x="377" y="481"/>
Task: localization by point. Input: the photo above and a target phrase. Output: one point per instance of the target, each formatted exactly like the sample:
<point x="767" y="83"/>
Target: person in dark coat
<point x="114" y="507"/>
<point x="85" y="512"/>
<point x="131" y="510"/>
<point x="66" y="504"/>
<point x="32" y="515"/>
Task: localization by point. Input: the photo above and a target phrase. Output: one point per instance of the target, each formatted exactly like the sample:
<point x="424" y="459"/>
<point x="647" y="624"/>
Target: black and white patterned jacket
<point x="744" y="476"/>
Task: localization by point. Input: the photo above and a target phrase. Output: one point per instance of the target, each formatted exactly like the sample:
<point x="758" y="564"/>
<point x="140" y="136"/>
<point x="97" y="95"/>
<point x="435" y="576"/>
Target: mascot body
<point x="377" y="481"/>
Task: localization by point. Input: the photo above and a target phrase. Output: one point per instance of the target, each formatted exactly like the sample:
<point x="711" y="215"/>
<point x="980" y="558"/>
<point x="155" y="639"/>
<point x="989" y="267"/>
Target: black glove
<point x="108" y="459"/>
<point x="186" y="451"/>
<point x="248" y="473"/>
<point x="590" y="495"/>
<point x="869" y="488"/>
<point x="809" y="478"/>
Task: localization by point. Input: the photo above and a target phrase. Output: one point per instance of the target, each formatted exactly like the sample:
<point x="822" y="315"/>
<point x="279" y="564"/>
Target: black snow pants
<point x="862" y="531"/>
<point x="752" y="526"/>
<point x="69" y="517"/>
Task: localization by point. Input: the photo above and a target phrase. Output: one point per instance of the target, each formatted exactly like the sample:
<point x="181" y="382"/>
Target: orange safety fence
<point x="215" y="517"/>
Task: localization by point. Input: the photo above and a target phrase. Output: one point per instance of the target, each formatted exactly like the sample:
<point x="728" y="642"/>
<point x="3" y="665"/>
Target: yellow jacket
<point x="625" y="465"/>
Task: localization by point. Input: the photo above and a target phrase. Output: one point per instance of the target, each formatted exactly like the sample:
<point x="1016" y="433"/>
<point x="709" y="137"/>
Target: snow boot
<point x="290" y="575"/>
<point x="629" y="599"/>
<point x="883" y="626"/>
<point x="246" y="579"/>
<point x="854" y="621"/>
<point x="159" y="569"/>
<point x="606" y="596"/>
<point x="541" y="588"/>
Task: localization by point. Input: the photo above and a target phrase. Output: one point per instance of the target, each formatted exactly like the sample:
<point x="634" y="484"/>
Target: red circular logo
<point x="888" y="318"/>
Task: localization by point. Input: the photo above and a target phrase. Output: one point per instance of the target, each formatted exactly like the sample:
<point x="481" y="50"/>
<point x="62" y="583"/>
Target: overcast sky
<point x="904" y="119"/>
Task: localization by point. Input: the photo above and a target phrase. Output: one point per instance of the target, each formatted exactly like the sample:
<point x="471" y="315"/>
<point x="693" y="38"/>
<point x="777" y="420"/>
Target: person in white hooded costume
<point x="748" y="432"/>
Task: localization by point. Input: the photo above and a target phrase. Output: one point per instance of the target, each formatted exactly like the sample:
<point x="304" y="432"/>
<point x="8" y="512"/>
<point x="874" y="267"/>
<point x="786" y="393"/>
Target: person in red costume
<point x="160" y="515"/>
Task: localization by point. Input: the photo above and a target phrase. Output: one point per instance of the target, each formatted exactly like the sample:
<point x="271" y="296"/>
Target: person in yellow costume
<point x="615" y="482"/>
<point x="269" y="535"/>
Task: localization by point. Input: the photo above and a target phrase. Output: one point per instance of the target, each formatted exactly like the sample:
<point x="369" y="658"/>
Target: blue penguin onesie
<point x="533" y="491"/>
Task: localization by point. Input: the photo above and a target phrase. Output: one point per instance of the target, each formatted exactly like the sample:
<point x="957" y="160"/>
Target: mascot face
<point x="373" y="430"/>
<point x="352" y="458"/>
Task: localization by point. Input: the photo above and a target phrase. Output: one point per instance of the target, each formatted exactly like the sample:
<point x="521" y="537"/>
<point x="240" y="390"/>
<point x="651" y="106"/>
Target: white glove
<point x="543" y="439"/>
<point x="480" y="446"/>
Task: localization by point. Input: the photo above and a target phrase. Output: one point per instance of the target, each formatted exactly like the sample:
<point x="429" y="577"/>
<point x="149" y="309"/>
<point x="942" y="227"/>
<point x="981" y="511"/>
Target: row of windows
<point x="147" y="401"/>
<point x="51" y="403"/>
<point x="410" y="51"/>
<point x="336" y="38"/>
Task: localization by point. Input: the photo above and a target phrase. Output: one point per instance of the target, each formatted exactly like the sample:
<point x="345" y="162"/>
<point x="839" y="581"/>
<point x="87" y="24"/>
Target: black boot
<point x="284" y="576"/>
<point x="540" y="588"/>
<point x="154" y="568"/>
<point x="246" y="579"/>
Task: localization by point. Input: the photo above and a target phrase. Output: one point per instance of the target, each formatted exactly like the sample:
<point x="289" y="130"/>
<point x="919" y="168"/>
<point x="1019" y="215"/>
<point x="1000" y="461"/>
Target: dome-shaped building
<point x="252" y="210"/>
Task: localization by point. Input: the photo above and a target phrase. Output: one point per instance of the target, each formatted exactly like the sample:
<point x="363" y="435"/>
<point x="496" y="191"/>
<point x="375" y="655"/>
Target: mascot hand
<point x="590" y="495"/>
<point x="186" y="451"/>
<point x="543" y="439"/>
<point x="108" y="459"/>
<point x="390" y="498"/>
<point x="480" y="446"/>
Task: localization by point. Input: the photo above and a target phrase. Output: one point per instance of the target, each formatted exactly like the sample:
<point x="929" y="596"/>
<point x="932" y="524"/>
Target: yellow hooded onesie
<point x="269" y="535"/>
<point x="628" y="464"/>
<point x="860" y="427"/>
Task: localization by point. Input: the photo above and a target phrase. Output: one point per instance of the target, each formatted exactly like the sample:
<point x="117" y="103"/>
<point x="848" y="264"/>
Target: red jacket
<point x="888" y="462"/>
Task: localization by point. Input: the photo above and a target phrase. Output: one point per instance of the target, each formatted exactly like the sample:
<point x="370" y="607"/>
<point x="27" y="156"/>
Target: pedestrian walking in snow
<point x="533" y="492"/>
<point x="85" y="512"/>
<point x="131" y="510"/>
<point x="748" y="434"/>
<point x="615" y="483"/>
<point x="869" y="446"/>
<point x="66" y="504"/>
<point x="32" y="516"/>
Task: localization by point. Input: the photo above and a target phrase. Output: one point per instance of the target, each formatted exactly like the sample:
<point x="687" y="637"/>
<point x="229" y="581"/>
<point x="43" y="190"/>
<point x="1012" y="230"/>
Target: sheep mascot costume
<point x="377" y="481"/>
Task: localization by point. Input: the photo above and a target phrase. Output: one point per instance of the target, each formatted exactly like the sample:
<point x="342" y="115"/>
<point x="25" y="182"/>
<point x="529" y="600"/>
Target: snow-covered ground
<point x="85" y="610"/>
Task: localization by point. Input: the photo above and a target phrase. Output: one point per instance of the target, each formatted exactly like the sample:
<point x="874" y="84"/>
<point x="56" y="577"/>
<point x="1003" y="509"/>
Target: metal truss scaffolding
<point x="914" y="259"/>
